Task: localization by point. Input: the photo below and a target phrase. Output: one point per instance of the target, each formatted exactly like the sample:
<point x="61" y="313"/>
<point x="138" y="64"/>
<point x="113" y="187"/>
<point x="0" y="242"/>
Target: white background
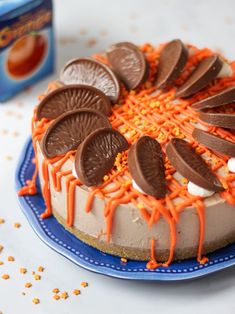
<point x="82" y="28"/>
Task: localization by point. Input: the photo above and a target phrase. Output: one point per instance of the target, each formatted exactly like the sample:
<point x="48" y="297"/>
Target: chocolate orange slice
<point x="88" y="71"/>
<point x="223" y="120"/>
<point x="214" y="142"/>
<point x="172" y="60"/>
<point x="129" y="63"/>
<point x="96" y="155"/>
<point x="191" y="165"/>
<point x="70" y="129"/>
<point x="73" y="97"/>
<point x="203" y="75"/>
<point x="146" y="165"/>
<point x="224" y="98"/>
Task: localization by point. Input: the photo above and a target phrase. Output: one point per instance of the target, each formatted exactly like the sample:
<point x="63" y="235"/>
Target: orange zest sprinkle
<point x="17" y="225"/>
<point x="5" y="276"/>
<point x="41" y="269"/>
<point x="84" y="284"/>
<point x="56" y="297"/>
<point x="55" y="290"/>
<point x="23" y="270"/>
<point x="76" y="292"/>
<point x="123" y="260"/>
<point x="2" y="221"/>
<point x="37" y="277"/>
<point x="1" y="263"/>
<point x="28" y="285"/>
<point x="10" y="259"/>
<point x="64" y="295"/>
<point x="1" y="248"/>
<point x="36" y="301"/>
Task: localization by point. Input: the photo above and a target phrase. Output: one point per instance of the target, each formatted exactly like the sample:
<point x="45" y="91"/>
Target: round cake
<point x="135" y="151"/>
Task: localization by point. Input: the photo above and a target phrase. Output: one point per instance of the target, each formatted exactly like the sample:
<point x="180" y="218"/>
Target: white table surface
<point x="82" y="28"/>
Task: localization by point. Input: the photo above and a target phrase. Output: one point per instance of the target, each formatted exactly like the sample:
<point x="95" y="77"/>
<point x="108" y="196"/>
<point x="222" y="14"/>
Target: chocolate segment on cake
<point x="70" y="129"/>
<point x="191" y="165"/>
<point x="88" y="71"/>
<point x="96" y="155"/>
<point x="215" y="143"/>
<point x="172" y="60"/>
<point x="223" y="120"/>
<point x="225" y="97"/>
<point x="146" y="165"/>
<point x="72" y="97"/>
<point x="203" y="75"/>
<point x="129" y="64"/>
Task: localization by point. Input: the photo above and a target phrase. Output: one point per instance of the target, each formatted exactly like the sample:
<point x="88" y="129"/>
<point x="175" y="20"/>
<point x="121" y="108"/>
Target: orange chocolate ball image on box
<point x="25" y="55"/>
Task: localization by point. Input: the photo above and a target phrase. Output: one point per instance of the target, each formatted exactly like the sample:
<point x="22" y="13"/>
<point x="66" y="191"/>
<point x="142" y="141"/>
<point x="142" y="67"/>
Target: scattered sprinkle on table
<point x="23" y="270"/>
<point x="41" y="269"/>
<point x="76" y="292"/>
<point x="55" y="290"/>
<point x="36" y="301"/>
<point x="5" y="276"/>
<point x="1" y="263"/>
<point x="17" y="225"/>
<point x="1" y="247"/>
<point x="2" y="221"/>
<point x="56" y="297"/>
<point x="64" y="295"/>
<point x="37" y="277"/>
<point x="28" y="285"/>
<point x="10" y="259"/>
<point x="84" y="284"/>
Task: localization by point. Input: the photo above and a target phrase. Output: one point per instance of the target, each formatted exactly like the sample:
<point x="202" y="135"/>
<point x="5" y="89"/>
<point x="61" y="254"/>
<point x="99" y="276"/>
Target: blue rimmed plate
<point x="56" y="237"/>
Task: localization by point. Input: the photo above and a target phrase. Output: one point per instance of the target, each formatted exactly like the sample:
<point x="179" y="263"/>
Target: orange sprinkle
<point x="17" y="225"/>
<point x="84" y="284"/>
<point x="5" y="276"/>
<point x="28" y="285"/>
<point x="10" y="259"/>
<point x="41" y="269"/>
<point x="36" y="301"/>
<point x="23" y="270"/>
<point x="1" y="263"/>
<point x="55" y="290"/>
<point x="56" y="297"/>
<point x="64" y="295"/>
<point x="37" y="277"/>
<point x="123" y="260"/>
<point x="2" y="221"/>
<point x="76" y="292"/>
<point x="1" y="247"/>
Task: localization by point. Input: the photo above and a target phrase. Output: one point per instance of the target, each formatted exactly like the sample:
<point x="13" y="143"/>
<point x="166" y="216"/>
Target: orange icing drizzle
<point x="145" y="111"/>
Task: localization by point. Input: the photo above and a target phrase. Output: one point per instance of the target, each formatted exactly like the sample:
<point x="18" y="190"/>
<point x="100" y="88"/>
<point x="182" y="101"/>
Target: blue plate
<point x="56" y="237"/>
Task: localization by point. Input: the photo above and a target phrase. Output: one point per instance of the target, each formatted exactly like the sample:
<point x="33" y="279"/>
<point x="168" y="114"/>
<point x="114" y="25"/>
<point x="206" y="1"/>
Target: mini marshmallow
<point x="231" y="164"/>
<point x="225" y="71"/>
<point x="198" y="191"/>
<point x="136" y="187"/>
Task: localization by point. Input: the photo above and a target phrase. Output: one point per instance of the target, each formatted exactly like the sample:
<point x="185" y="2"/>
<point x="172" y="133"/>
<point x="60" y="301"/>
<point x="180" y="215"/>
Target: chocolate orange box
<point x="26" y="44"/>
